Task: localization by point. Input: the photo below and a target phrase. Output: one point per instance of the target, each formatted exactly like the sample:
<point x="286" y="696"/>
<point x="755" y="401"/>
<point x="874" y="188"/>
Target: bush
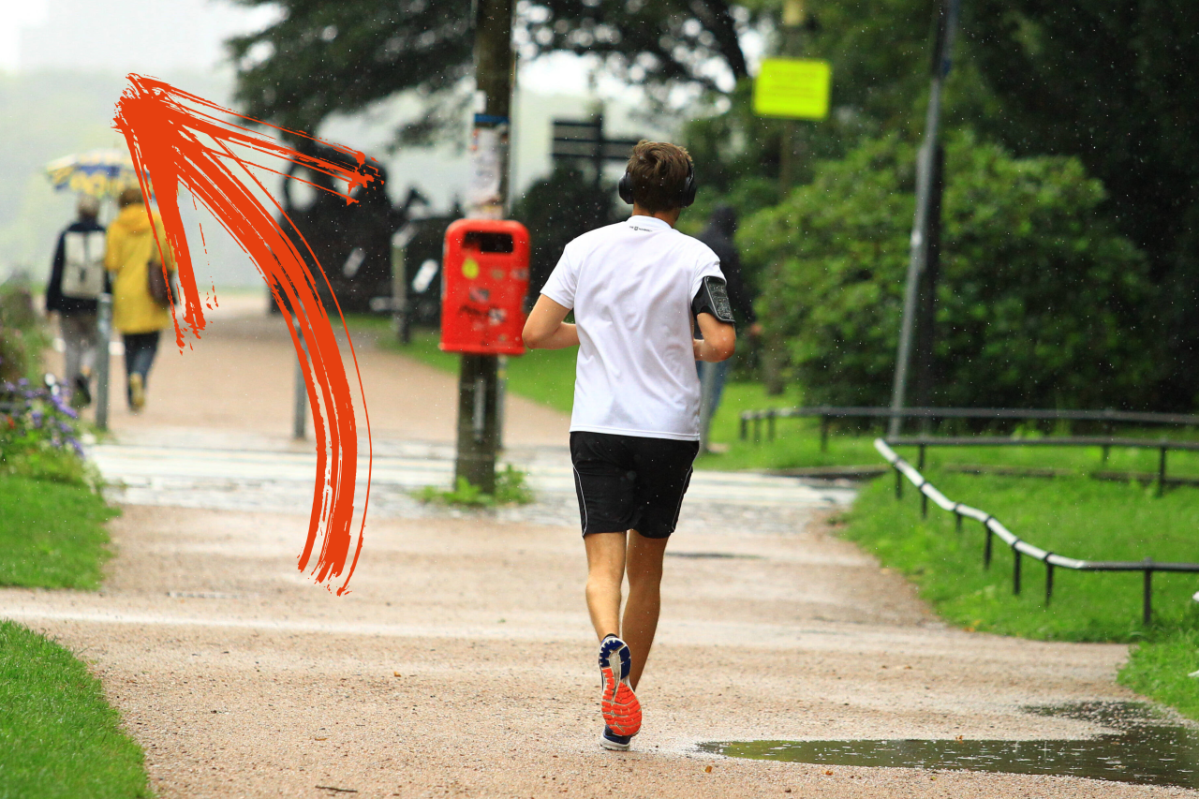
<point x="510" y="489"/>
<point x="39" y="437"/>
<point x="23" y="334"/>
<point x="1039" y="304"/>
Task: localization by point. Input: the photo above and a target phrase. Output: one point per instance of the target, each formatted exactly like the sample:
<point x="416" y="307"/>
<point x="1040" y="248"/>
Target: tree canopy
<point x="323" y="57"/>
<point x="1117" y="85"/>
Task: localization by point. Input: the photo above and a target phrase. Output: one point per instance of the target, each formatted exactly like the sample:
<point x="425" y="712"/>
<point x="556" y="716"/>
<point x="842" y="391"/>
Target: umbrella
<point x="100" y="173"/>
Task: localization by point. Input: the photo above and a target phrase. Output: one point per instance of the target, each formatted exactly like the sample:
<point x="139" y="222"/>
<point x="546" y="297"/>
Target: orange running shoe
<point x="622" y="711"/>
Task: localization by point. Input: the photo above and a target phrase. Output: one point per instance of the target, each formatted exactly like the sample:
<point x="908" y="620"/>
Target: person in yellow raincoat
<point x="135" y="313"/>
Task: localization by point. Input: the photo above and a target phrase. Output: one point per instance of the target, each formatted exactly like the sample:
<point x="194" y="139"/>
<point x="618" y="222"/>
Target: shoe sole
<point x="618" y="703"/>
<point x="613" y="745"/>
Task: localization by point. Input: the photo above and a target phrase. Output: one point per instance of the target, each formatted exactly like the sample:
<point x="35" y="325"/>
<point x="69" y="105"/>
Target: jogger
<point x="636" y="289"/>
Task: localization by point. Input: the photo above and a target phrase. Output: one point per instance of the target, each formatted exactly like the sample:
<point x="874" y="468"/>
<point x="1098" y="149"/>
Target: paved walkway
<point x="462" y="663"/>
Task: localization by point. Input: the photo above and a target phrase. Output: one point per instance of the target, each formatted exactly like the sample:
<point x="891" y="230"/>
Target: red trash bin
<point x="485" y="277"/>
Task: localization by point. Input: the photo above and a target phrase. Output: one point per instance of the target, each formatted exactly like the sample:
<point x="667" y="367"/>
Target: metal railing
<point x="1162" y="445"/>
<point x="827" y="413"/>
<point x="992" y="527"/>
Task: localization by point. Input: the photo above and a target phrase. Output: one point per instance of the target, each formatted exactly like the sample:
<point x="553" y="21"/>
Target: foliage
<point x="1114" y="84"/>
<point x="1040" y="304"/>
<point x="61" y="738"/>
<point x="650" y="43"/>
<point x="556" y="209"/>
<point x="51" y="535"/>
<point x="1163" y="667"/>
<point x="23" y="334"/>
<point x="1074" y="516"/>
<point x="366" y="52"/>
<point x="39" y="437"/>
<point x="510" y="489"/>
<point x="880" y="54"/>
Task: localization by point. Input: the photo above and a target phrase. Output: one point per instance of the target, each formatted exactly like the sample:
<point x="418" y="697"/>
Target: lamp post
<point x="926" y="203"/>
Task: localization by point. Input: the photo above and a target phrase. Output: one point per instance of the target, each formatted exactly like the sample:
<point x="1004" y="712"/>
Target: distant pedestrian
<point x="134" y="240"/>
<point x="77" y="278"/>
<point x="636" y="289"/>
<point x="718" y="235"/>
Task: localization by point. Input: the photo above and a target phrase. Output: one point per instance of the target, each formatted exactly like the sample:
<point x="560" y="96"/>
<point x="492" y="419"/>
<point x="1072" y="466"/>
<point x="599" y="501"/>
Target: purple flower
<point x="63" y="408"/>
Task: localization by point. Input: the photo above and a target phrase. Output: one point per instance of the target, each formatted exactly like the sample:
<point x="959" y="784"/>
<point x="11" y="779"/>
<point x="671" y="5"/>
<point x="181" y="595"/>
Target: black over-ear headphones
<point x="685" y="197"/>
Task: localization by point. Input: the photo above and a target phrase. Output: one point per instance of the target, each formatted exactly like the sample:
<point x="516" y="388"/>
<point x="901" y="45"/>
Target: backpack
<point x="83" y="266"/>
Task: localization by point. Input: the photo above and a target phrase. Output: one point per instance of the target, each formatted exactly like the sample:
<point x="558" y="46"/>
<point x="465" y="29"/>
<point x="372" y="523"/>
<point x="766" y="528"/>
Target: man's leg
<point x="72" y="351"/>
<point x="645" y="599"/>
<point x="90" y="336"/>
<point x="605" y="571"/>
<point x="618" y="703"/>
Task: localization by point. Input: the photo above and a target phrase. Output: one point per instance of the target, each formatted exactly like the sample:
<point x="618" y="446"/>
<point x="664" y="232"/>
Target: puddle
<point x="1148" y="749"/>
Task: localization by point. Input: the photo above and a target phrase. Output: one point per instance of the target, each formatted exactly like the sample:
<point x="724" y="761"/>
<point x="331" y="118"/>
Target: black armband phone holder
<point x="713" y="298"/>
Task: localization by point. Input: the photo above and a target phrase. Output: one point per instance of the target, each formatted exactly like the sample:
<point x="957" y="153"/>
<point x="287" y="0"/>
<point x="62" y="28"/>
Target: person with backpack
<point x="136" y="244"/>
<point x="636" y="288"/>
<point x="77" y="278"/>
<point x="719" y="234"/>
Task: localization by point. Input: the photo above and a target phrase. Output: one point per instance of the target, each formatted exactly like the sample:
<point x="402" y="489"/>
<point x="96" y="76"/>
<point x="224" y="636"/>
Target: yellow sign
<point x="470" y="269"/>
<point x="794" y="88"/>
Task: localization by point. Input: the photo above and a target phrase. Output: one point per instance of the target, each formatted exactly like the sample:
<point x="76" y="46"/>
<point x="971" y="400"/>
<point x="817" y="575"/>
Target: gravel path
<point x="462" y="663"/>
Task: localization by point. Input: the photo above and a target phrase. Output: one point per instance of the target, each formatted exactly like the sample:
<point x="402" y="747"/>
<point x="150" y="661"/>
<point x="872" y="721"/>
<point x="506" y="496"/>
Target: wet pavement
<point x="228" y="470"/>
<point x="1150" y="746"/>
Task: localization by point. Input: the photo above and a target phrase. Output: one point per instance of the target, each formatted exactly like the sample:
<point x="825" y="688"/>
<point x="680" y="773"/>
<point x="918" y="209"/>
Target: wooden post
<point x="478" y="419"/>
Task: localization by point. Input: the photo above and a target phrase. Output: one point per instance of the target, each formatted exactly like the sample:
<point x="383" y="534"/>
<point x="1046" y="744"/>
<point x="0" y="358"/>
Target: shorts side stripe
<point x="582" y="497"/>
<point x="679" y="508"/>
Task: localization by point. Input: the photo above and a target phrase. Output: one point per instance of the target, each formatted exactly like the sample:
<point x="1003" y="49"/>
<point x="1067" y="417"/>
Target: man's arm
<point x="719" y="339"/>
<point x="545" y="328"/>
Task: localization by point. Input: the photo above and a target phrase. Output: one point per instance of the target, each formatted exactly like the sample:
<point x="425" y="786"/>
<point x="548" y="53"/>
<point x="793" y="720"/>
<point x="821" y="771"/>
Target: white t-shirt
<point x="631" y="286"/>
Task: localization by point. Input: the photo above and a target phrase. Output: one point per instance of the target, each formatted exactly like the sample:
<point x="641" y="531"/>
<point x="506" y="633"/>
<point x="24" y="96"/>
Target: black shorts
<point x="630" y="483"/>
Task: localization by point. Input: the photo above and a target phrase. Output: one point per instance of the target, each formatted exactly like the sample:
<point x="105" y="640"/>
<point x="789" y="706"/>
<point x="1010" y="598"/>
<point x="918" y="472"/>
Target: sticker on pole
<point x="792" y="88"/>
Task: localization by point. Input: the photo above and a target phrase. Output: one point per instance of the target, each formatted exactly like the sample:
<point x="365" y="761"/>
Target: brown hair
<point x="130" y="196"/>
<point x="658" y="171"/>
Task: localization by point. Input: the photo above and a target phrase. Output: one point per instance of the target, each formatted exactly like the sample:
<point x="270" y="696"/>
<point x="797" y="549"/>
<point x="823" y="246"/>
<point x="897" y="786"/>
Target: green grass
<point x="1160" y="668"/>
<point x="797" y="445"/>
<point x="1073" y="516"/>
<point x="58" y="736"/>
<point x="51" y="534"/>
<point x="545" y="376"/>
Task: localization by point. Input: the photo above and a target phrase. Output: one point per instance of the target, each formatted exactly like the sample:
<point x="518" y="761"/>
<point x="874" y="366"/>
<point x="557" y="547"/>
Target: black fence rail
<point x="992" y="527"/>
<point x="827" y="413"/>
<point x="1163" y="446"/>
